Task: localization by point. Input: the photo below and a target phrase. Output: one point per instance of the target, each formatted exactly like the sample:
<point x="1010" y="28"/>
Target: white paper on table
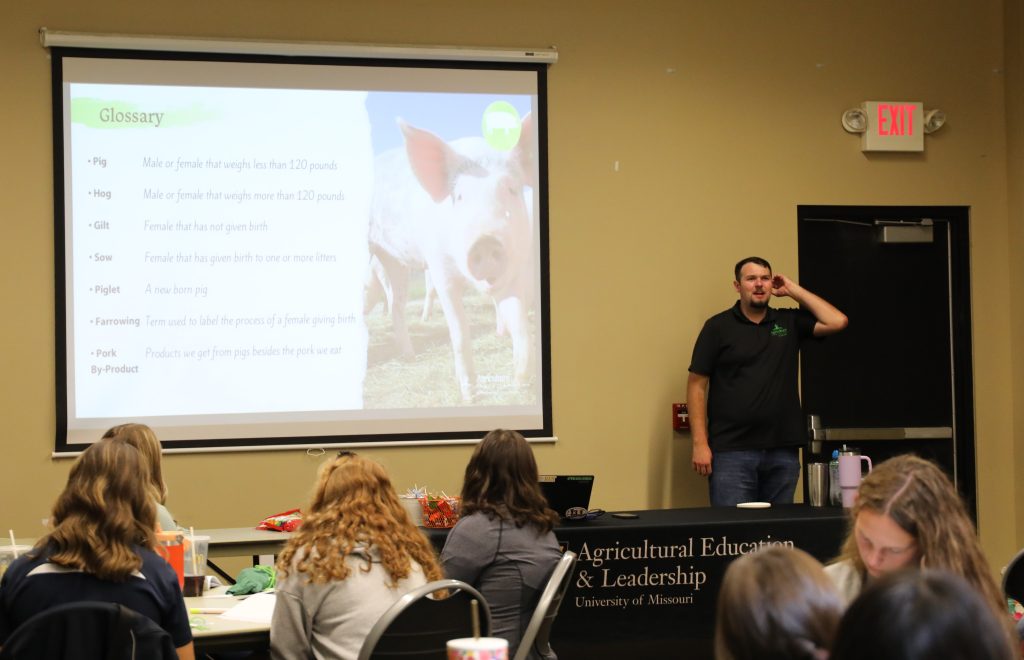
<point x="258" y="608"/>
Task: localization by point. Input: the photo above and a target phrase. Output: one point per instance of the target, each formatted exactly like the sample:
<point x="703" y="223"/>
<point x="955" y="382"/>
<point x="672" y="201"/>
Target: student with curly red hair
<point x="354" y="555"/>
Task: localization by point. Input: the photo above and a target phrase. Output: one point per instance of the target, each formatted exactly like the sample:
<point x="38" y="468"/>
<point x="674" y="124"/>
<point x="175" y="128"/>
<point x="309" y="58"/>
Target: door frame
<point x="962" y="359"/>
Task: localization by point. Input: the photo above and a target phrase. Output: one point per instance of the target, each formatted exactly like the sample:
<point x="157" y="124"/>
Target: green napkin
<point x="253" y="580"/>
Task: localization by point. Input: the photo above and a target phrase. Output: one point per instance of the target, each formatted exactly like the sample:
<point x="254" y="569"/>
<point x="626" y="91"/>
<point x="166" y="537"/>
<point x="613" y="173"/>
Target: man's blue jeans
<point x="754" y="475"/>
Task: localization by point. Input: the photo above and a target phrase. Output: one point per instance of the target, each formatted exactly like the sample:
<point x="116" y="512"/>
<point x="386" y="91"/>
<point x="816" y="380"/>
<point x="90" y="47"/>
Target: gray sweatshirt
<point x="509" y="565"/>
<point x="330" y="621"/>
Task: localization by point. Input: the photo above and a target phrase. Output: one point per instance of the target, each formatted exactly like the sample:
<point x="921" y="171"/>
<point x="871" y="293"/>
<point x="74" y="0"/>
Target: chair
<point x="1013" y="578"/>
<point x="1013" y="585"/>
<point x="538" y="631"/>
<point x="89" y="630"/>
<point x="419" y="625"/>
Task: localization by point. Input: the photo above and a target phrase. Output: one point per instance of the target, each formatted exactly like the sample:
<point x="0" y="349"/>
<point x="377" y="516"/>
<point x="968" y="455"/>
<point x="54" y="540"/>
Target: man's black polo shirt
<point x="753" y="401"/>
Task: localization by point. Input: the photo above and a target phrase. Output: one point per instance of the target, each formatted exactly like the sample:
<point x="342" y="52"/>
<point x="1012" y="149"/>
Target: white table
<point x="225" y="541"/>
<point x="213" y="631"/>
<point x="242" y="541"/>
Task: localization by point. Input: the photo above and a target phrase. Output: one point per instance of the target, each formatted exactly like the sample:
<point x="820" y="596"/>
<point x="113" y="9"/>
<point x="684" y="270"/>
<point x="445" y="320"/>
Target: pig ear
<point x="431" y="160"/>
<point x="523" y="157"/>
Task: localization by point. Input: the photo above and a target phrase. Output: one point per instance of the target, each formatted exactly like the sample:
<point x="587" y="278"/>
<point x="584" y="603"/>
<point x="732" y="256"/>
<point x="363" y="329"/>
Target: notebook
<point x="568" y="495"/>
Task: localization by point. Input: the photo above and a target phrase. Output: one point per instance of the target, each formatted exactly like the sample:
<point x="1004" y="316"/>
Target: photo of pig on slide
<point x="455" y="212"/>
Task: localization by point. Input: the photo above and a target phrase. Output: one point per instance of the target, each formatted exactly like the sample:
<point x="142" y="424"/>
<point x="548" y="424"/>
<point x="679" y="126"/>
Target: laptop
<point x="568" y="495"/>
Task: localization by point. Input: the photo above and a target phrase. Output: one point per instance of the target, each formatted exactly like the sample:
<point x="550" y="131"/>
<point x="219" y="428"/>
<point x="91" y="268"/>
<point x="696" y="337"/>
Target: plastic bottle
<point x="834" y="493"/>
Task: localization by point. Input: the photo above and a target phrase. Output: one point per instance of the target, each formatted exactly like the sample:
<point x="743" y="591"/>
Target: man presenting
<point x="744" y="407"/>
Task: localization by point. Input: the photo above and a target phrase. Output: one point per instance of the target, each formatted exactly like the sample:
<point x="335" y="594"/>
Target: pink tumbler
<point x="849" y="474"/>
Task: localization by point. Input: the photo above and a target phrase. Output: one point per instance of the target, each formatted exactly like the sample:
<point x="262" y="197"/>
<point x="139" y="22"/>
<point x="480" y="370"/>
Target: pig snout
<point x="487" y="260"/>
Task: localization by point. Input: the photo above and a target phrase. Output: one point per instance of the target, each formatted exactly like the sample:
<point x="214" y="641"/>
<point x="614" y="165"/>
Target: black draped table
<point x="647" y="587"/>
<point x="641" y="588"/>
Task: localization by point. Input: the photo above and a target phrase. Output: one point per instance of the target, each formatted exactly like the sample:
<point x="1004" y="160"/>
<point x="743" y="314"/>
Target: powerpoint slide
<point x="318" y="253"/>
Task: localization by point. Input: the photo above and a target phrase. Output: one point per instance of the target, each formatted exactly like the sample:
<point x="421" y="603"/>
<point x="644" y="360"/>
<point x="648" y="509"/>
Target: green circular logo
<point x="501" y="125"/>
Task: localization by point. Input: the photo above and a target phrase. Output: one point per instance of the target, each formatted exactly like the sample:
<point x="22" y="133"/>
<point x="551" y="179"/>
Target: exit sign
<point x="893" y="126"/>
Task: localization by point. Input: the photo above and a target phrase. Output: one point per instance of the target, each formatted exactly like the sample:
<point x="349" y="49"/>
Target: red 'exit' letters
<point x="895" y="119"/>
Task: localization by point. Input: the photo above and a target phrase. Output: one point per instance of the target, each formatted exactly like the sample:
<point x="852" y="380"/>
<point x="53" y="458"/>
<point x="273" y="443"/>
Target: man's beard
<point x="758" y="304"/>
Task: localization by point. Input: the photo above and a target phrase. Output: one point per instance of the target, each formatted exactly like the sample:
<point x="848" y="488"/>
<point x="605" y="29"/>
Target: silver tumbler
<point x="817" y="484"/>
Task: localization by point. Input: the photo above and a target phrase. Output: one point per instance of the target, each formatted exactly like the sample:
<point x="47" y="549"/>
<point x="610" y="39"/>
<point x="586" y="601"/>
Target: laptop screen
<point x="568" y="495"/>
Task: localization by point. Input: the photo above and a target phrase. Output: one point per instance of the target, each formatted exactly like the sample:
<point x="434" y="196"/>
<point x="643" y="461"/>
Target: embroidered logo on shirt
<point x="779" y="331"/>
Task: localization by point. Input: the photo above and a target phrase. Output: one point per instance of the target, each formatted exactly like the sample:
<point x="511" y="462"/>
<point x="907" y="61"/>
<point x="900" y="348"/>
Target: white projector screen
<point x="278" y="251"/>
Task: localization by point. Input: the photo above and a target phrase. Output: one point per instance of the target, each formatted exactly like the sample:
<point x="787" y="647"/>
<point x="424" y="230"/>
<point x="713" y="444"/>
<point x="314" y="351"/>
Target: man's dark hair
<point x="750" y="260"/>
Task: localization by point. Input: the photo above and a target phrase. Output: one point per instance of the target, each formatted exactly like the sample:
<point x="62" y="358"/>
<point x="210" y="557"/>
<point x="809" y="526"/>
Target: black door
<point x="899" y="378"/>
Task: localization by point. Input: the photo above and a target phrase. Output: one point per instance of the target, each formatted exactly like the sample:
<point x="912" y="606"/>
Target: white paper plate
<point x="753" y="505"/>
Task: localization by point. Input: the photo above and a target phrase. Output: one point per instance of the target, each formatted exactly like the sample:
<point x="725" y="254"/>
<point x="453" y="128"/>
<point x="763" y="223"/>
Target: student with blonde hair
<point x="908" y="515"/>
<point x="776" y="604"/>
<point x="144" y="439"/>
<point x="102" y="548"/>
<point x="354" y="555"/>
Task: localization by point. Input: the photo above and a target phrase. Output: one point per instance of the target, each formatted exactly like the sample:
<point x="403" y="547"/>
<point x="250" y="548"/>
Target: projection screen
<point x="266" y="251"/>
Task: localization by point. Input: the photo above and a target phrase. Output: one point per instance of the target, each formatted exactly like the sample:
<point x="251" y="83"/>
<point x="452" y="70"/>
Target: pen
<point x="207" y="610"/>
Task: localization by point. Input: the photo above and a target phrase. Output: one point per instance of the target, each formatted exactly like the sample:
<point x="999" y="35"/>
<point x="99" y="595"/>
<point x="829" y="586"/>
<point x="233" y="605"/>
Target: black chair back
<point x="91" y="631"/>
<point x="1013" y="578"/>
<point x="418" y="626"/>
<point x="538" y="630"/>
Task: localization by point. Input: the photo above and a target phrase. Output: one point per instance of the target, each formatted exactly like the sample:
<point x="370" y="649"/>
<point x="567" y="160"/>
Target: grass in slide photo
<point x="427" y="380"/>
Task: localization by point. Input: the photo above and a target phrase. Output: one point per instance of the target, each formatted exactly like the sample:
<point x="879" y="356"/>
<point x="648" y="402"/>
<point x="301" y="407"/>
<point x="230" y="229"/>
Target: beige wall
<point x="1015" y="202"/>
<point x="722" y="116"/>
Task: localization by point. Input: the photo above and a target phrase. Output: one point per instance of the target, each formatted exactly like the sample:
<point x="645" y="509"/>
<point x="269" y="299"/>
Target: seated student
<point x="144" y="439"/>
<point x="101" y="549"/>
<point x="776" y="603"/>
<point x="908" y="515"/>
<point x="503" y="544"/>
<point x="354" y="555"/>
<point x="921" y="615"/>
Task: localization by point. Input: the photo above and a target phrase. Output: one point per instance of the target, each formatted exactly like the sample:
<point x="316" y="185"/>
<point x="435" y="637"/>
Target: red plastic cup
<point x="172" y="548"/>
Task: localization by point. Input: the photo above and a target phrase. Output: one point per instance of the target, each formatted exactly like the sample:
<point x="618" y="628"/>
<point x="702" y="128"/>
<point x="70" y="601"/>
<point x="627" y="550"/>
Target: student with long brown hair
<point x="776" y="604"/>
<point x="102" y="548"/>
<point x="503" y="544"/>
<point x="354" y="555"/>
<point x="908" y="515"/>
<point x="145" y="441"/>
